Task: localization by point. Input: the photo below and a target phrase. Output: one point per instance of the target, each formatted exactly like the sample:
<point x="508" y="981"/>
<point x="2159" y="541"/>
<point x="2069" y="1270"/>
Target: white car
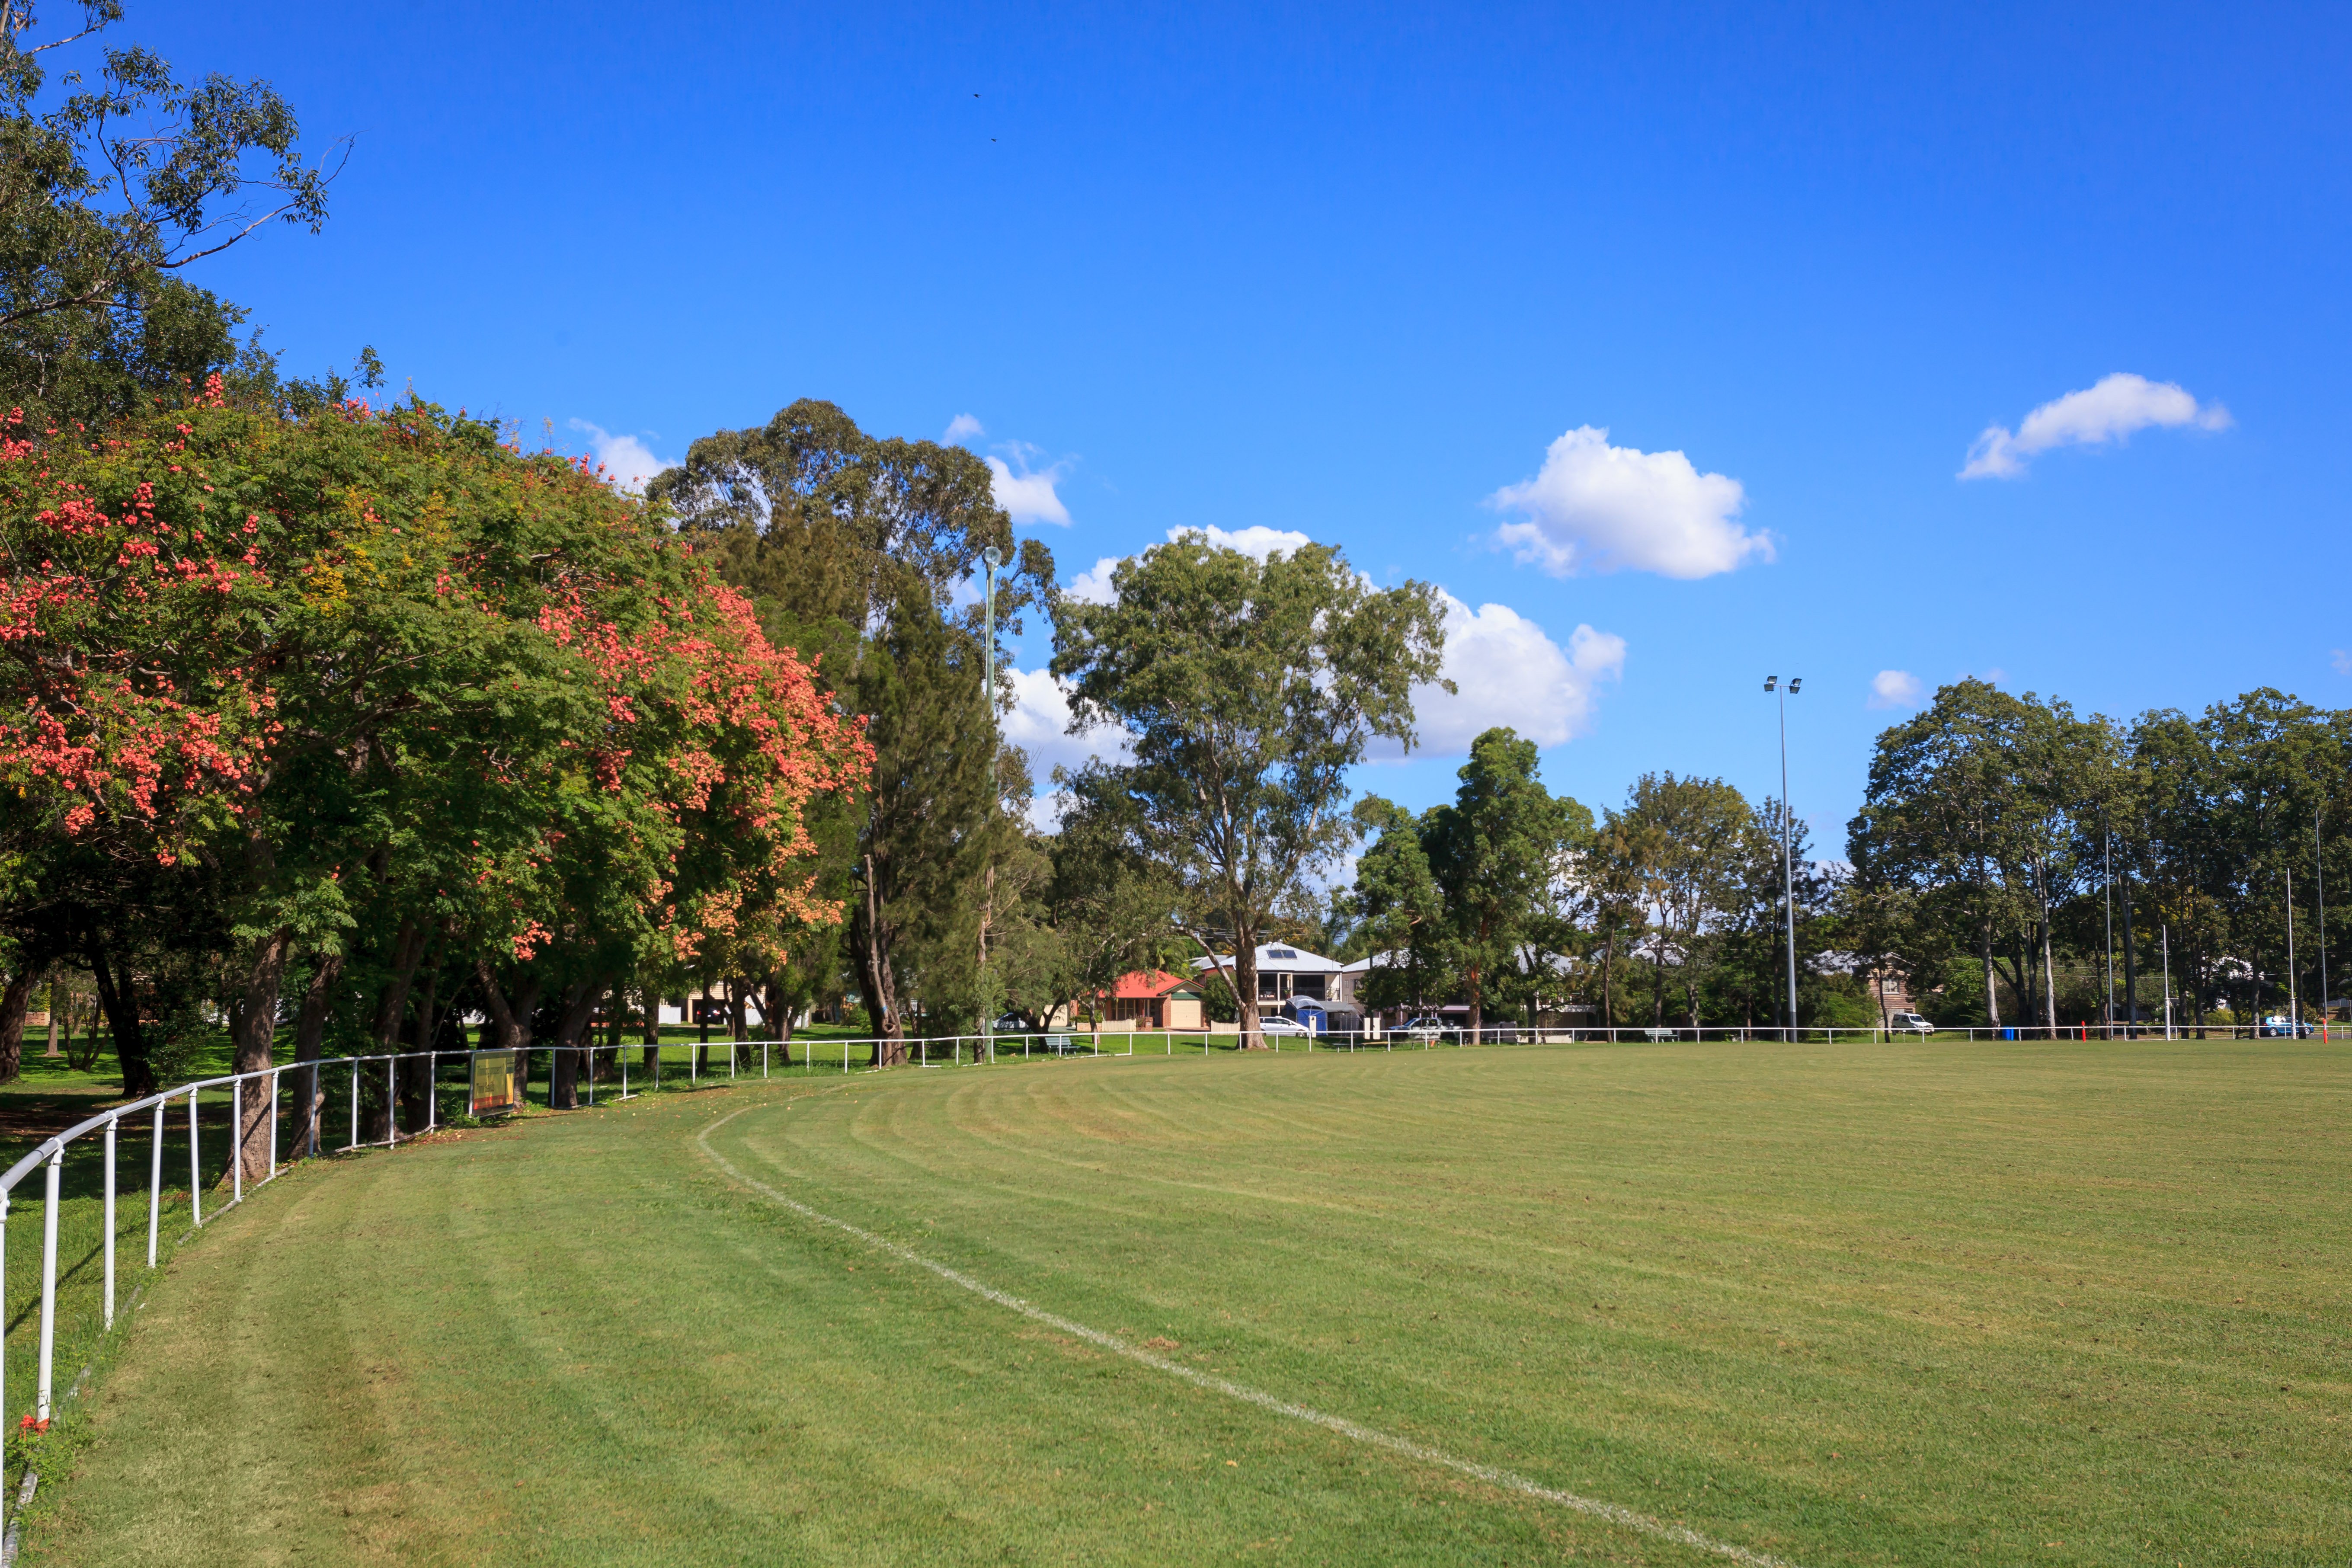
<point x="1274" y="1024"/>
<point x="1908" y="1024"/>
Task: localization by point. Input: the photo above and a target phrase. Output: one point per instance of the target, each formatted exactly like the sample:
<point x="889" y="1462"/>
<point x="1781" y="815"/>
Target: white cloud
<point x="2110" y="411"/>
<point x="629" y="461"/>
<point x="1258" y="541"/>
<point x="963" y="427"/>
<point x="1093" y="586"/>
<point x="1039" y="724"/>
<point x="1894" y="688"/>
<point x="1509" y="671"/>
<point x="2342" y="661"/>
<point x="1598" y="508"/>
<point x="1027" y="496"/>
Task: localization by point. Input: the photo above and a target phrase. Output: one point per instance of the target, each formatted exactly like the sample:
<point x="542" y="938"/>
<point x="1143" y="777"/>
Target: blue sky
<point x="1353" y="272"/>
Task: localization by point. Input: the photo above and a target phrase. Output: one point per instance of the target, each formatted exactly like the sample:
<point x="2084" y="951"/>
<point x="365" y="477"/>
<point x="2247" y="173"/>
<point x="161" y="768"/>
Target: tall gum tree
<point x="1249" y="688"/>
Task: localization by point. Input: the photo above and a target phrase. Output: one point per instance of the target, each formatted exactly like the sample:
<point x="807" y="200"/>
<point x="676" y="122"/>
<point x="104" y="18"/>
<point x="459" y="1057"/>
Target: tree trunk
<point x="13" y="1004"/>
<point x="512" y="1020"/>
<point x="563" y="1066"/>
<point x="418" y="1078"/>
<point x="877" y="979"/>
<point x="1609" y="977"/>
<point x="1992" y="994"/>
<point x="308" y="1095"/>
<point x="253" y="1027"/>
<point x="779" y="1009"/>
<point x="121" y="1005"/>
<point x="391" y="1013"/>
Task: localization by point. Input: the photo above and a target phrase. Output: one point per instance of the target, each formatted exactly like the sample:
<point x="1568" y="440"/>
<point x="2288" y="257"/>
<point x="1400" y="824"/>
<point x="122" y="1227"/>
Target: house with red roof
<point x="1155" y="999"/>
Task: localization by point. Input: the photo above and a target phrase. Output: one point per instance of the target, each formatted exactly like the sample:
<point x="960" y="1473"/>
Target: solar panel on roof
<point x="1280" y="953"/>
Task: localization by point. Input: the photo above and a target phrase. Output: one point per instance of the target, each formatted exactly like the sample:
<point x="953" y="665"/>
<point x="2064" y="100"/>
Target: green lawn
<point x="1913" y="1304"/>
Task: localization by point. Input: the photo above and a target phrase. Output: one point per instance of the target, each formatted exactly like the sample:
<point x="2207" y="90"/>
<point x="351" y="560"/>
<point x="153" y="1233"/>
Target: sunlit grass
<point x="1916" y="1304"/>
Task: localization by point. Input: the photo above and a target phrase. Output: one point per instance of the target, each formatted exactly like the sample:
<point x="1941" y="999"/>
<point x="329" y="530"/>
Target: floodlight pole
<point x="1787" y="870"/>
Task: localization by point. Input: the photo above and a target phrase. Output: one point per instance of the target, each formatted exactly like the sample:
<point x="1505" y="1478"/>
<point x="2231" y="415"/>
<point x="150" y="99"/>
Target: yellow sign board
<point x="497" y="1085"/>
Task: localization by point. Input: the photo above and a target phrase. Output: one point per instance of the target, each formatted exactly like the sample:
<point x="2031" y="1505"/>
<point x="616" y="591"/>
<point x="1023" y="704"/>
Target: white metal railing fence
<point x="49" y="1155"/>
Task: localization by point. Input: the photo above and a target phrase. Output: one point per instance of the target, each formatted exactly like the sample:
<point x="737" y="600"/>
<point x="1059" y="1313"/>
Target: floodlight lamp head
<point x="994" y="556"/>
<point x="1795" y="682"/>
<point x="1770" y="681"/>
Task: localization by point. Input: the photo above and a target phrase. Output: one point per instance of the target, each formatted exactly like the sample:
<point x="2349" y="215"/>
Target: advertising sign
<point x="496" y="1087"/>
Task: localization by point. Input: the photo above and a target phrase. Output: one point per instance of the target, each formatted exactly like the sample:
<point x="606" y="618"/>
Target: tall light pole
<point x="992" y="558"/>
<point x="1788" y="872"/>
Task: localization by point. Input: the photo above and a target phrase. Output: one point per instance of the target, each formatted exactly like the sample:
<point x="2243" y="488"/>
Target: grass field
<point x="1913" y="1304"/>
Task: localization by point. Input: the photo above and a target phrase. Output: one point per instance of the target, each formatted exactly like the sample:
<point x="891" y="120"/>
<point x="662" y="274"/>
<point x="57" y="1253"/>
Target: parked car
<point x="2279" y="1024"/>
<point x="1423" y="1029"/>
<point x="1275" y="1023"/>
<point x="1908" y="1024"/>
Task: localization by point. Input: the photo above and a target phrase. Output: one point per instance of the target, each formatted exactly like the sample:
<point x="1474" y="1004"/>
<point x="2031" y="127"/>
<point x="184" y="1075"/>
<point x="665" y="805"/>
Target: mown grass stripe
<point x="1613" y="1513"/>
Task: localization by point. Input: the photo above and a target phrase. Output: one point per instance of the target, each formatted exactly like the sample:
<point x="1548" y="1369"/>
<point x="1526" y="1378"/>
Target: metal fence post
<point x="432" y="1090"/>
<point x="49" y="1279"/>
<point x="155" y="1185"/>
<point x="275" y="1077"/>
<point x="236" y="1140"/>
<point x="196" y="1170"/>
<point x="391" y="1101"/>
<point x="355" y="1105"/>
<point x="3" y="1281"/>
<point x="110" y="1221"/>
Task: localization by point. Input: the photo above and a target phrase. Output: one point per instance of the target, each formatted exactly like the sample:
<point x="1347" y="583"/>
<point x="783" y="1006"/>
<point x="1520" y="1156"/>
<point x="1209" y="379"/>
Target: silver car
<point x="1908" y="1024"/>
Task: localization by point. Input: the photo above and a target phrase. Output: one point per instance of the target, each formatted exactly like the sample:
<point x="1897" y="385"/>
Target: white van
<point x="1908" y="1024"/>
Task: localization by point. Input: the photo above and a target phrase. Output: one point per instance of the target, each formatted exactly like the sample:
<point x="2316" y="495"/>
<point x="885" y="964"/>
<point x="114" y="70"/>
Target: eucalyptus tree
<point x="1942" y="820"/>
<point x="1680" y="849"/>
<point x="113" y="177"/>
<point x="854" y="548"/>
<point x="1248" y="688"/>
<point x="1498" y="852"/>
<point x="1398" y="910"/>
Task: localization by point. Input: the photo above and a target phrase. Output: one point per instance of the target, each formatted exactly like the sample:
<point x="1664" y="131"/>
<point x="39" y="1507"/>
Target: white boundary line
<point x="1508" y="1480"/>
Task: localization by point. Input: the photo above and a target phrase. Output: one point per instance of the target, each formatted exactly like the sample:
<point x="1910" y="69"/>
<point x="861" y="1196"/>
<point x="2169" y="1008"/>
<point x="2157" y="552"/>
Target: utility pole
<point x="1788" y="831"/>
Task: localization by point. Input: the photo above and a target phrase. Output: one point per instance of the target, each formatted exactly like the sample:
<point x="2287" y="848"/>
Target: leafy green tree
<point x="1498" y="852"/>
<point x="852" y="546"/>
<point x="1399" y="910"/>
<point x="1684" y="847"/>
<point x="107" y="191"/>
<point x="399" y="711"/>
<point x="1249" y="688"/>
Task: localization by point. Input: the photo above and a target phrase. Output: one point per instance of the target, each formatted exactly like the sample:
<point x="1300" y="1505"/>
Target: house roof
<point x="1280" y="958"/>
<point x="1145" y="985"/>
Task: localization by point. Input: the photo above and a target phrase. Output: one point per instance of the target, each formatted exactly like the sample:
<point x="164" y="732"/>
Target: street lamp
<point x="1788" y="874"/>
